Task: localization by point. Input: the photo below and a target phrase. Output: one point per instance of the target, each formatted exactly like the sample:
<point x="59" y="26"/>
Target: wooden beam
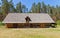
<point x="42" y="25"/>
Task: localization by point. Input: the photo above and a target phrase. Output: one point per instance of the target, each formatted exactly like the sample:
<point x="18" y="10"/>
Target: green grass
<point x="58" y="22"/>
<point x="1" y="24"/>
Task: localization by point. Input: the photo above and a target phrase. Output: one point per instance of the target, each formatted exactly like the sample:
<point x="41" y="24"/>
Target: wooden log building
<point x="28" y="20"/>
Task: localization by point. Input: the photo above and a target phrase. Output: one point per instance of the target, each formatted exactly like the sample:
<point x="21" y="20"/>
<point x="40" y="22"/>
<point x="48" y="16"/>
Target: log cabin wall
<point x="12" y="25"/>
<point x="23" y="25"/>
<point x="9" y="25"/>
<point x="45" y="25"/>
<point x="42" y="25"/>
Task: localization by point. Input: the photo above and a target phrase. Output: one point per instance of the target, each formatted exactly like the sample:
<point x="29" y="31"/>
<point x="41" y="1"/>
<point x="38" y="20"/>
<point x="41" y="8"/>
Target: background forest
<point x="8" y="7"/>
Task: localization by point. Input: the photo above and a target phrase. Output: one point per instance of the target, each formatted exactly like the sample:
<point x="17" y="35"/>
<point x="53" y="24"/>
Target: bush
<point x="58" y="22"/>
<point x="1" y="24"/>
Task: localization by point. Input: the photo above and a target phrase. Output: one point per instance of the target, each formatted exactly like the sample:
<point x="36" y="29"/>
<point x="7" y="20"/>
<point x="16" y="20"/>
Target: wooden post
<point x="27" y="24"/>
<point x="42" y="25"/>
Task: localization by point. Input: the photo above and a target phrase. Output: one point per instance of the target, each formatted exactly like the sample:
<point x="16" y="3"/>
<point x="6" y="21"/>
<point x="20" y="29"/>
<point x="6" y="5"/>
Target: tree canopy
<point x="8" y="7"/>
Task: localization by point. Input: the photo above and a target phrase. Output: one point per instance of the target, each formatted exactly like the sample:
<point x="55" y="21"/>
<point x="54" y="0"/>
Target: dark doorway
<point x="15" y="25"/>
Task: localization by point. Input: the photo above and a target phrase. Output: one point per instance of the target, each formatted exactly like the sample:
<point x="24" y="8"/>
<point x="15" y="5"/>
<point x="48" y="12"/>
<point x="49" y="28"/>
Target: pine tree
<point x="5" y="6"/>
<point x="43" y="7"/>
<point x="48" y="9"/>
<point x="19" y="7"/>
<point x="38" y="7"/>
<point x="33" y="9"/>
<point x="12" y="8"/>
<point x="24" y="9"/>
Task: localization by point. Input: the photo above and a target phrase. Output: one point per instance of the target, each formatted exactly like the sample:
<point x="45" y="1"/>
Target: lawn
<point x="29" y="32"/>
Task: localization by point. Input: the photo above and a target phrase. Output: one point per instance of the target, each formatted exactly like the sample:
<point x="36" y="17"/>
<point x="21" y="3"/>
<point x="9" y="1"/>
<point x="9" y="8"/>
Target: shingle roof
<point x="35" y="17"/>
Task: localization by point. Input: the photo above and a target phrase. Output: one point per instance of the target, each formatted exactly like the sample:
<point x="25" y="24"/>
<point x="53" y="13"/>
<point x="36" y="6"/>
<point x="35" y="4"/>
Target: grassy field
<point x="29" y="32"/>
